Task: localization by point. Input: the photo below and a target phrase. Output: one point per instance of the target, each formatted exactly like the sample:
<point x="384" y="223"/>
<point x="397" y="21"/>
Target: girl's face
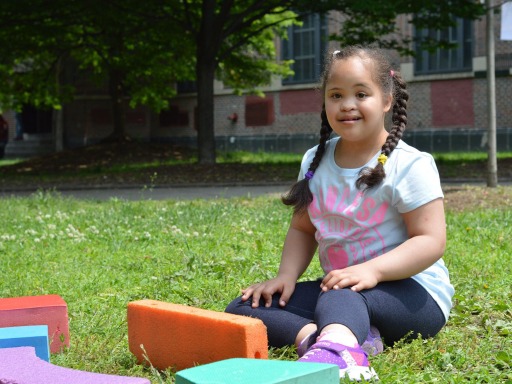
<point x="354" y="103"/>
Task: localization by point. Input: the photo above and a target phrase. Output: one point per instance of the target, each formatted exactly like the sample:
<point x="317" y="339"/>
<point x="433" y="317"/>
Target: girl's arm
<point x="298" y="251"/>
<point x="299" y="247"/>
<point x="426" y="228"/>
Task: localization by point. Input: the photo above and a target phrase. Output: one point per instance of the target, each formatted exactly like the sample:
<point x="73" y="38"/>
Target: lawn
<point x="99" y="256"/>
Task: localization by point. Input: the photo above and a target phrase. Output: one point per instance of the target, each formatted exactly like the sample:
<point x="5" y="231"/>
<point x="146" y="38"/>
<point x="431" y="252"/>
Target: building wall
<point x="450" y="105"/>
<point x="458" y="105"/>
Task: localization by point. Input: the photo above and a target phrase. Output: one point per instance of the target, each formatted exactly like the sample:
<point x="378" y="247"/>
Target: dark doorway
<point x="36" y="121"/>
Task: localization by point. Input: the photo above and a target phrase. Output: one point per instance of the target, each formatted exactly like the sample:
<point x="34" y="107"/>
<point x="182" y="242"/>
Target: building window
<point x="306" y="45"/>
<point x="457" y="59"/>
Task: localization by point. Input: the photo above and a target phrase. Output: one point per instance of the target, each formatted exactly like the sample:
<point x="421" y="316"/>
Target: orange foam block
<point x="179" y="337"/>
<point x="50" y="310"/>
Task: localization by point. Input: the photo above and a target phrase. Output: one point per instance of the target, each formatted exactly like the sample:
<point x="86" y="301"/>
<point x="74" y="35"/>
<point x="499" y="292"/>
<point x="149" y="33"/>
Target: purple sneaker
<point x="306" y="343"/>
<point x="372" y="345"/>
<point x="352" y="361"/>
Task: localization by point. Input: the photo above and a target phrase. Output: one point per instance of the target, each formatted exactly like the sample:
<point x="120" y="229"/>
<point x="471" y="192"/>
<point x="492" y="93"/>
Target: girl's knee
<point x="238" y="307"/>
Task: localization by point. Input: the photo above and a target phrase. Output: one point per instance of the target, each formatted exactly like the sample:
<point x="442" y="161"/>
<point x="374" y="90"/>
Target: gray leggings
<point x="397" y="308"/>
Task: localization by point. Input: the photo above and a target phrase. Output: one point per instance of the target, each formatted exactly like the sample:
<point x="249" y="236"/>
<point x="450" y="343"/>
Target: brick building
<point x="448" y="95"/>
<point x="447" y="109"/>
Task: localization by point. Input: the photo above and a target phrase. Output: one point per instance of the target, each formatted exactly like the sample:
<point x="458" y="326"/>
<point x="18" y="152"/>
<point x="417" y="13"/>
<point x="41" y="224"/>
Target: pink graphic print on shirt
<point x="347" y="228"/>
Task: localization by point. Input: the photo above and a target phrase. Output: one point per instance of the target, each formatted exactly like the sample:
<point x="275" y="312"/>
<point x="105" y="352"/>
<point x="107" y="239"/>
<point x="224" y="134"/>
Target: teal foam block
<point x="27" y="336"/>
<point x="257" y="371"/>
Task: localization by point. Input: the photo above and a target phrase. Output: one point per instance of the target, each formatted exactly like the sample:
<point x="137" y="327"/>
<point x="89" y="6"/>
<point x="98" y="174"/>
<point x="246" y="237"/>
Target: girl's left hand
<point x="358" y="277"/>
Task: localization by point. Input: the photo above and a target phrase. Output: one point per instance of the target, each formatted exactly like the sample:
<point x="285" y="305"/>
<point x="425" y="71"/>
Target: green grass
<point x="240" y="157"/>
<point x="467" y="156"/>
<point x="259" y="157"/>
<point x="245" y="157"/>
<point x="99" y="256"/>
<point x="4" y="162"/>
<point x="264" y="157"/>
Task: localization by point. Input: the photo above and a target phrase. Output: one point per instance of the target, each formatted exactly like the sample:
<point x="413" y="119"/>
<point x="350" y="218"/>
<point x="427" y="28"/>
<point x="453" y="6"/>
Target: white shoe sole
<point x="357" y="373"/>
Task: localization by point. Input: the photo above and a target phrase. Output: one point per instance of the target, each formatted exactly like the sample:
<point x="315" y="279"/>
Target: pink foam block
<point x="50" y="310"/>
<point x="22" y="366"/>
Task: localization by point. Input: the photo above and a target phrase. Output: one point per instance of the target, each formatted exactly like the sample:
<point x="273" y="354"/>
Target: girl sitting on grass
<point x="373" y="208"/>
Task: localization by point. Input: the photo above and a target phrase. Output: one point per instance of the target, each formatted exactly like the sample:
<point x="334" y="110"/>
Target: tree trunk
<point x="205" y="112"/>
<point x="116" y="97"/>
<point x="58" y="129"/>
<point x="207" y="48"/>
<point x="58" y="114"/>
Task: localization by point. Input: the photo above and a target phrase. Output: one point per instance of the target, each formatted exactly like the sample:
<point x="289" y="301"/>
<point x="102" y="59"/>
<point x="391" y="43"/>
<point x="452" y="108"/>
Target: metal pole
<point x="492" y="163"/>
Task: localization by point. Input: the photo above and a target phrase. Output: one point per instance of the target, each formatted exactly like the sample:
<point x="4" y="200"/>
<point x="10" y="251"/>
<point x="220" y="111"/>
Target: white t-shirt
<point x="353" y="227"/>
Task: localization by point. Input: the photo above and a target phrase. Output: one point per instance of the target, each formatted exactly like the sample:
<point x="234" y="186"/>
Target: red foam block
<point x="50" y="310"/>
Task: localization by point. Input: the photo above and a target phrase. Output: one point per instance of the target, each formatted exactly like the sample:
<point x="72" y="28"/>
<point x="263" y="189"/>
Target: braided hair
<point x="300" y="195"/>
<point x="390" y="82"/>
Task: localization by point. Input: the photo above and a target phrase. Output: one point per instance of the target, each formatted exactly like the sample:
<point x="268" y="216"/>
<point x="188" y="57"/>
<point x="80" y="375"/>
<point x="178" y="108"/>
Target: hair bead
<point x="382" y="159"/>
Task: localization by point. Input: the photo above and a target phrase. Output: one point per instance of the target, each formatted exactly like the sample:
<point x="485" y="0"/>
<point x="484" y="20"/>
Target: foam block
<point x="50" y="310"/>
<point x="28" y="336"/>
<point x="253" y="371"/>
<point x="179" y="337"/>
<point x="22" y="366"/>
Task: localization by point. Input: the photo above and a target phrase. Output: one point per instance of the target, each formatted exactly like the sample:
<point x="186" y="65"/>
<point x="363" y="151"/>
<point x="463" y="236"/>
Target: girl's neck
<point x="357" y="154"/>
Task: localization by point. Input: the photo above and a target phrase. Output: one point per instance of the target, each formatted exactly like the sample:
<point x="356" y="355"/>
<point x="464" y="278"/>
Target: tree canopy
<point x="138" y="50"/>
<point x="132" y="52"/>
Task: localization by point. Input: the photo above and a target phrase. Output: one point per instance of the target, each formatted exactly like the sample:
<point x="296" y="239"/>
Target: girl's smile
<point x="349" y="119"/>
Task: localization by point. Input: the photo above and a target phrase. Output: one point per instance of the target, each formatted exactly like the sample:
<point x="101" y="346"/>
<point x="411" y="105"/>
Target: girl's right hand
<point x="267" y="289"/>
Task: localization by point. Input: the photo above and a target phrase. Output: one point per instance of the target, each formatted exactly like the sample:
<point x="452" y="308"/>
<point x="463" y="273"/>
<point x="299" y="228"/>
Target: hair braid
<point x="372" y="177"/>
<point x="299" y="196"/>
<point x="399" y="117"/>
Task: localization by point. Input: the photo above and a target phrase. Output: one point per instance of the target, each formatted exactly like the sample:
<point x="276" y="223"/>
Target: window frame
<point x="457" y="59"/>
<point x="314" y="28"/>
